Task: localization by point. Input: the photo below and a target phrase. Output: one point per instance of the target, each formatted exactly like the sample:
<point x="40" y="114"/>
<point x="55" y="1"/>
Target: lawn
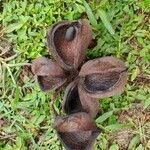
<point x="120" y="29"/>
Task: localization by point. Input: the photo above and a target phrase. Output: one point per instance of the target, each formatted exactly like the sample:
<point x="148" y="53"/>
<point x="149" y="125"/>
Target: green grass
<point x="121" y="29"/>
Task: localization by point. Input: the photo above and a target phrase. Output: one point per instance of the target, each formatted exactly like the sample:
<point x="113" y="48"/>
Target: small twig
<point x="4" y="50"/>
<point x="5" y="136"/>
<point x="11" y="57"/>
<point x="19" y="64"/>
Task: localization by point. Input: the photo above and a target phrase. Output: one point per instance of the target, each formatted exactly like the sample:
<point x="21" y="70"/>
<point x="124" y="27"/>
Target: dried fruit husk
<point x="72" y="103"/>
<point x="76" y="100"/>
<point x="90" y="104"/>
<point x="77" y="131"/>
<point x="103" y="77"/>
<point x="68" y="41"/>
<point x="82" y="140"/>
<point x="48" y="74"/>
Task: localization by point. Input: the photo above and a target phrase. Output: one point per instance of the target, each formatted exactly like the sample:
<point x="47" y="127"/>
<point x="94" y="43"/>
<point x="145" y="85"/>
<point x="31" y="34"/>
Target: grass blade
<point x="90" y="14"/>
<point x="147" y="103"/>
<point x="113" y="127"/>
<point x="140" y="147"/>
<point x="135" y="140"/>
<point x="104" y="117"/>
<point x="102" y="14"/>
<point x="16" y="99"/>
<point x="114" y="147"/>
<point x="10" y="28"/>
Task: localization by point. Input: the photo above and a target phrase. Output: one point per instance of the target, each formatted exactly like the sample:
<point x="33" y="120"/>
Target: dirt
<point x="142" y="80"/>
<point x="5" y="48"/>
<point x="136" y="113"/>
<point x="25" y="73"/>
<point x="140" y="118"/>
<point x="2" y="122"/>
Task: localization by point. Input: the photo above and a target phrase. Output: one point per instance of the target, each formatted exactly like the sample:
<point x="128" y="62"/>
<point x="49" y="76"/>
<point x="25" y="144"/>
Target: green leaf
<point x="135" y="140"/>
<point x="12" y="27"/>
<point x="16" y="98"/>
<point x="102" y="3"/>
<point x="40" y="119"/>
<point x="104" y="143"/>
<point x="147" y="103"/>
<point x="114" y="147"/>
<point x="140" y="147"/>
<point x="135" y="73"/>
<point x="90" y="14"/>
<point x="18" y="143"/>
<point x="102" y="14"/>
<point x="27" y="97"/>
<point x="56" y="105"/>
<point x="104" y="117"/>
<point x="8" y="147"/>
<point x="117" y="126"/>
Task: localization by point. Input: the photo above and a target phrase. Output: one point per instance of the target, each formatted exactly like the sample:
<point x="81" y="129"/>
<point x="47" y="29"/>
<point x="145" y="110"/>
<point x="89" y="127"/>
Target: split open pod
<point x="68" y="41"/>
<point x="48" y="74"/>
<point x="76" y="131"/>
<point x="76" y="100"/>
<point x="103" y="77"/>
<point x="99" y="78"/>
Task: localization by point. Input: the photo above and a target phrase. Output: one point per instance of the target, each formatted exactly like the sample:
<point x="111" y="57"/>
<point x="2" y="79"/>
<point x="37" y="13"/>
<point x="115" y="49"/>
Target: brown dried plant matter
<point x="77" y="131"/>
<point x="98" y="78"/>
<point x="48" y="73"/>
<point x="76" y="100"/>
<point x="140" y="118"/>
<point x="103" y="77"/>
<point x="68" y="41"/>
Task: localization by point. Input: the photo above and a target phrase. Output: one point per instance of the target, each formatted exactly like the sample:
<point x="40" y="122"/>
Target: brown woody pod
<point x="90" y="104"/>
<point x="77" y="131"/>
<point x="76" y="100"/>
<point x="68" y="41"/>
<point x="72" y="103"/>
<point x="48" y="73"/>
<point x="103" y="77"/>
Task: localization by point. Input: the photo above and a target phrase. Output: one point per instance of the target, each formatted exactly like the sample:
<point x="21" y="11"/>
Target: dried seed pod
<point x="48" y="73"/>
<point x="90" y="104"/>
<point x="103" y="77"/>
<point x="68" y="41"/>
<point x="77" y="131"/>
<point x="76" y="100"/>
<point x="72" y="103"/>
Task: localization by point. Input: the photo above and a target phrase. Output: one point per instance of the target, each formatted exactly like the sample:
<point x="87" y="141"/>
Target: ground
<point x="120" y="28"/>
